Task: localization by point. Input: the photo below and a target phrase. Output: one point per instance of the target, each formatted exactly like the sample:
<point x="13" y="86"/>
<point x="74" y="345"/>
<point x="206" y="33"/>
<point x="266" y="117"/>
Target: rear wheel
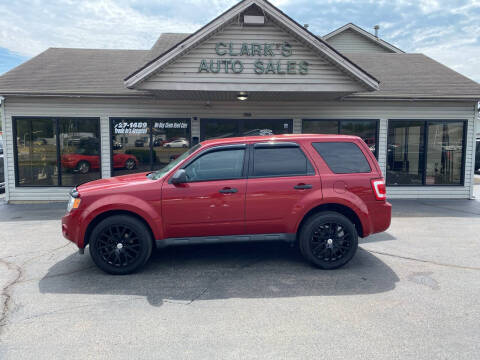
<point x="83" y="167"/>
<point x="328" y="240"/>
<point x="120" y="245"/>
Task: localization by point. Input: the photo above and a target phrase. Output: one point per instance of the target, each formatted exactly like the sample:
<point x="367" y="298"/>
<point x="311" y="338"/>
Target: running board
<point x="225" y="239"/>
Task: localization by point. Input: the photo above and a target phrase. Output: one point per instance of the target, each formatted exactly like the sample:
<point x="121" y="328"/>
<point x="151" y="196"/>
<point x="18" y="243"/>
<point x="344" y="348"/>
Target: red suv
<point x="320" y="191"/>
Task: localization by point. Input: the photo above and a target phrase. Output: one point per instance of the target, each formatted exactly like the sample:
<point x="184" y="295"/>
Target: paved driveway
<point x="410" y="293"/>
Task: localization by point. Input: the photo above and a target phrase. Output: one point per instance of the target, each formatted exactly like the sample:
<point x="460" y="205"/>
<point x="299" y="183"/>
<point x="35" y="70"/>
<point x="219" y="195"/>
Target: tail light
<point x="379" y="189"/>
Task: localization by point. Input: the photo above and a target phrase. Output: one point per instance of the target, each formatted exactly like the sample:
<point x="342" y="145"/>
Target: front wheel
<point x="130" y="164"/>
<point x="83" y="167"/>
<point x="120" y="245"/>
<point x="328" y="240"/>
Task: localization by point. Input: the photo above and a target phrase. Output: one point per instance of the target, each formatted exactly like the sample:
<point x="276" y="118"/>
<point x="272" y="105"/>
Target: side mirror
<point x="180" y="177"/>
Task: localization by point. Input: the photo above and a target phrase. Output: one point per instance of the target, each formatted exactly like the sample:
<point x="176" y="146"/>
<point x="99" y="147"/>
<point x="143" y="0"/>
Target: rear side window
<point x="280" y="161"/>
<point x="343" y="157"/>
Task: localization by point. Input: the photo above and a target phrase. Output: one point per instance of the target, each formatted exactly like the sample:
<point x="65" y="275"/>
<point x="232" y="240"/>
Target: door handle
<point x="302" y="186"/>
<point x="228" y="191"/>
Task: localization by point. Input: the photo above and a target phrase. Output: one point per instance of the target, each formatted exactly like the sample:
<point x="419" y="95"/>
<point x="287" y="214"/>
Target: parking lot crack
<point x="6" y="292"/>
<point x="424" y="261"/>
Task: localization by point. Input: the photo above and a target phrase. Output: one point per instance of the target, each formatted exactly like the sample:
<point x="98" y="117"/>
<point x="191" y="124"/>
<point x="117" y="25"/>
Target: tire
<point x="168" y="146"/>
<point x="131" y="255"/>
<point x="130" y="164"/>
<point x="315" y="236"/>
<point x="83" y="167"/>
<point x="184" y="146"/>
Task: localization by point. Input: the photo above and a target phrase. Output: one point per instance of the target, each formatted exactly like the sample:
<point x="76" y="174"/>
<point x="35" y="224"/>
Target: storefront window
<point x="171" y="138"/>
<point x="320" y="127"/>
<point x="79" y="150"/>
<point x="36" y="152"/>
<point x="365" y="129"/>
<point x="40" y="162"/>
<point x="444" y="153"/>
<point x="140" y="145"/>
<point x="409" y="164"/>
<point x="224" y="128"/>
<point x="405" y="153"/>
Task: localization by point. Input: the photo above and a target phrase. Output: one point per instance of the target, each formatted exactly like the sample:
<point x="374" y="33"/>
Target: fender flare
<point x="128" y="204"/>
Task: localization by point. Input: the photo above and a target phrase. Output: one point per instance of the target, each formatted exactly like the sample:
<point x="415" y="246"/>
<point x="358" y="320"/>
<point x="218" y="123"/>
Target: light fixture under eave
<point x="242" y="96"/>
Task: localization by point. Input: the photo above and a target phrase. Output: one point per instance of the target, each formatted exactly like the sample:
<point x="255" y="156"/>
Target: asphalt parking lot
<point x="410" y="293"/>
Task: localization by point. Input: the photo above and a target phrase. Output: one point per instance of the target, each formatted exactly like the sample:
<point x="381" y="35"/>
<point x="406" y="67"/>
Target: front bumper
<point x="71" y="228"/>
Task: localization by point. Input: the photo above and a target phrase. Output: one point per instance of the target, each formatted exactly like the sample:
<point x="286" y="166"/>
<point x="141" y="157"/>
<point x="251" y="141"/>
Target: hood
<point x="114" y="182"/>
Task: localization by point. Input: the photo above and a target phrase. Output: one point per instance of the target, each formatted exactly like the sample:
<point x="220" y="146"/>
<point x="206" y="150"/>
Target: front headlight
<point x="70" y="204"/>
<point x="74" y="201"/>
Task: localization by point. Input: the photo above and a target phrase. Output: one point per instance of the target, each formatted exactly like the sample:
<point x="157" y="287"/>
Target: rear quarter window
<point x="343" y="157"/>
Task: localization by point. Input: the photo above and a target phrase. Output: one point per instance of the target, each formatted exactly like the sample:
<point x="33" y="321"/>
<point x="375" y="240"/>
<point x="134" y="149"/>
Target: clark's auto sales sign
<point x="270" y="58"/>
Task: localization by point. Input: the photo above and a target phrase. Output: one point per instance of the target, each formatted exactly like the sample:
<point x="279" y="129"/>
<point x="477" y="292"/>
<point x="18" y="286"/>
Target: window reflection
<point x="405" y="153"/>
<point x="36" y="152"/>
<point x="79" y="150"/>
<point x="365" y="129"/>
<point x="224" y="128"/>
<point x="142" y="145"/>
<point x="171" y="138"/>
<point x="444" y="153"/>
<point x="411" y="162"/>
<point x="320" y="127"/>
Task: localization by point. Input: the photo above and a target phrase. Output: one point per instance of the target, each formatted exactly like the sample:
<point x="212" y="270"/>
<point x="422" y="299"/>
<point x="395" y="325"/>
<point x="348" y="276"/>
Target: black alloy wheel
<point x="328" y="240"/>
<point x="130" y="164"/>
<point x="83" y="167"/>
<point x="120" y="245"/>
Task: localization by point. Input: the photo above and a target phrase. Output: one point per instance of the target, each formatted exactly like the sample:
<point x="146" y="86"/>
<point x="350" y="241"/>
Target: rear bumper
<point x="381" y="217"/>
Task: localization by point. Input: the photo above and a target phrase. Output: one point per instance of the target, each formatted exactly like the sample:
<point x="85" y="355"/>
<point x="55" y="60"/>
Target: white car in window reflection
<point x="179" y="143"/>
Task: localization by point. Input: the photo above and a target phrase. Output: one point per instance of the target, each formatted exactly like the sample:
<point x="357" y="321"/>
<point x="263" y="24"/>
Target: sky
<point x="446" y="30"/>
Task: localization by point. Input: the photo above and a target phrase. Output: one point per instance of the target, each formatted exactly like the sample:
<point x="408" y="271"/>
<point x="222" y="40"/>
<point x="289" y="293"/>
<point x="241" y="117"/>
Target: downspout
<point x="5" y="148"/>
<point x="476" y="121"/>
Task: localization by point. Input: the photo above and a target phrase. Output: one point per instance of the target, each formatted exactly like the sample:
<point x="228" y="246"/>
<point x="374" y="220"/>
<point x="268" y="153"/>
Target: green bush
<point x="142" y="155"/>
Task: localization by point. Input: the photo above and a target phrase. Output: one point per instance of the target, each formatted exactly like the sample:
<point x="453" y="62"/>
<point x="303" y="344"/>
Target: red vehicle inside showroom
<point x="320" y="192"/>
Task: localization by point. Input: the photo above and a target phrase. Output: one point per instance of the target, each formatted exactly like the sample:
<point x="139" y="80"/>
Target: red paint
<point x="70" y="161"/>
<point x="261" y="205"/>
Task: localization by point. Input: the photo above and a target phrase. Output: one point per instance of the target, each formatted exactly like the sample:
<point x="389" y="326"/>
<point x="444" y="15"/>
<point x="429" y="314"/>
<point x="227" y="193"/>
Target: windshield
<point x="163" y="171"/>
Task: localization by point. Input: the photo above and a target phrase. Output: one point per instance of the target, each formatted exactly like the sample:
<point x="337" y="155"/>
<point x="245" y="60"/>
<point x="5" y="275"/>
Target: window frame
<point x="339" y="126"/>
<point x="150" y="121"/>
<point x="56" y="129"/>
<point x="426" y="124"/>
<point x="218" y="148"/>
<point x="272" y="145"/>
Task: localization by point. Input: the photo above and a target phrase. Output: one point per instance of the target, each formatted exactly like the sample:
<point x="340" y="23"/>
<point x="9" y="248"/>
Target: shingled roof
<point x="74" y="71"/>
<point x="101" y="72"/>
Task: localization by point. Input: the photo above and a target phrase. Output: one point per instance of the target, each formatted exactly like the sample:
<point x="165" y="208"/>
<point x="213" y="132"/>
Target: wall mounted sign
<point x="271" y="58"/>
<point x="129" y="127"/>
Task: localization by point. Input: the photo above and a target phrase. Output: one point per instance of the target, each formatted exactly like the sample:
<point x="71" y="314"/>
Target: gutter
<point x="475" y="98"/>
<point x="69" y="95"/>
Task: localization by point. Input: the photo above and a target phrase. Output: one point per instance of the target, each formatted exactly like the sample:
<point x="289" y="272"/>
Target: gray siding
<point x="183" y="74"/>
<point x="349" y="41"/>
<point x="105" y="108"/>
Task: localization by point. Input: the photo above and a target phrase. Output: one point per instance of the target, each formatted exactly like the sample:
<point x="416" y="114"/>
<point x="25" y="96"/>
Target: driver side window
<point x="217" y="165"/>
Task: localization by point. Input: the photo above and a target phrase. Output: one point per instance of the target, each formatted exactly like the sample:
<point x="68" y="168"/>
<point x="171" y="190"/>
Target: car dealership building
<point x="74" y="115"/>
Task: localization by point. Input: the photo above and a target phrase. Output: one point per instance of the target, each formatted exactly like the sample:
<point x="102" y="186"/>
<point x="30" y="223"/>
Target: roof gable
<point x="231" y="61"/>
<point x="281" y="20"/>
<point x="351" y="38"/>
